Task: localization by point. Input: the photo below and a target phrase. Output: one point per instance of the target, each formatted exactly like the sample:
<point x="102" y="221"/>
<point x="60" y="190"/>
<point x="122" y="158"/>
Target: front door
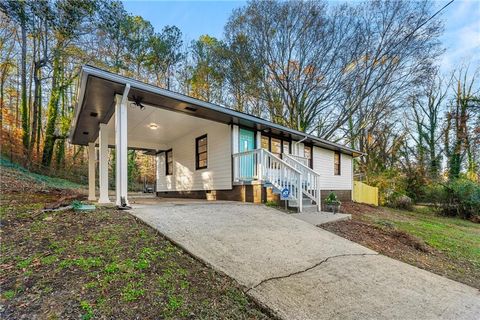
<point x="247" y="163"/>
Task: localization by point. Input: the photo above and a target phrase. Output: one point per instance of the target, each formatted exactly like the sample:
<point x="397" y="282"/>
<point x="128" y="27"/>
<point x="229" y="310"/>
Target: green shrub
<point x="388" y="182"/>
<point x="272" y="204"/>
<point x="332" y="199"/>
<point x="460" y="197"/>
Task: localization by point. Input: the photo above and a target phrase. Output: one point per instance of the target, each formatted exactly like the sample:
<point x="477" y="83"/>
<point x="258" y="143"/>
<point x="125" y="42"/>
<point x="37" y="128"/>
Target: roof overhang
<point x="96" y="99"/>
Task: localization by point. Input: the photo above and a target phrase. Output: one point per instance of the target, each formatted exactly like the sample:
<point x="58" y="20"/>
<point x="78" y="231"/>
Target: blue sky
<point x="462" y="33"/>
<point x="194" y="18"/>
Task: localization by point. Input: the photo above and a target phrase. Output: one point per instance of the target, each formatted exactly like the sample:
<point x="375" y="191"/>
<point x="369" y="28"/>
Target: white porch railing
<point x="264" y="166"/>
<point x="310" y="179"/>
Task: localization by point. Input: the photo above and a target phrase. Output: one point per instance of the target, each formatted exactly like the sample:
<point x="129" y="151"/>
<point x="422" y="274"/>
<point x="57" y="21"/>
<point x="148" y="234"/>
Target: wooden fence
<point x="364" y="193"/>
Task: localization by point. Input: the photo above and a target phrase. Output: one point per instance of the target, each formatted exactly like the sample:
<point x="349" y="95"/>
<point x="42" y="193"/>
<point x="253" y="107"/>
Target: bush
<point x="460" y="197"/>
<point x="403" y="202"/>
<point x="389" y="183"/>
<point x="463" y="198"/>
<point x="399" y="201"/>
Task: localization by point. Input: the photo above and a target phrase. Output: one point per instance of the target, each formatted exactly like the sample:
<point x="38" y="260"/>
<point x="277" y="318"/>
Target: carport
<point x="117" y="112"/>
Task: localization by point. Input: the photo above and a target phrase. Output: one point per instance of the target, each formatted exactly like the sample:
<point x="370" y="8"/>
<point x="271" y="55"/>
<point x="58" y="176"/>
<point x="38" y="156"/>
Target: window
<point x="336" y="162"/>
<point x="201" y="152"/>
<point x="307" y="152"/>
<point x="168" y="162"/>
<point x="265" y="143"/>
<point x="276" y="146"/>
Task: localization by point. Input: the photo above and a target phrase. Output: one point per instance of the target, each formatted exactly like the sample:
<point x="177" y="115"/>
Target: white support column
<point x="259" y="139"/>
<point x="159" y="167"/>
<point x="235" y="138"/>
<point x="235" y="141"/>
<point x="121" y="146"/>
<point x="259" y="156"/>
<point x="91" y="171"/>
<point x="103" y="163"/>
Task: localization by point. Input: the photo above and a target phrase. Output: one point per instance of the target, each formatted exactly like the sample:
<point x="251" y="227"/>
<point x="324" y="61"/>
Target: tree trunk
<point x="2" y="96"/>
<point x="25" y="111"/>
<point x="52" y="112"/>
<point x="36" y="102"/>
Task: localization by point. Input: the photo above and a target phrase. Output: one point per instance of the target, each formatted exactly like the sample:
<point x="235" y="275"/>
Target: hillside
<point x="100" y="264"/>
<point x="15" y="178"/>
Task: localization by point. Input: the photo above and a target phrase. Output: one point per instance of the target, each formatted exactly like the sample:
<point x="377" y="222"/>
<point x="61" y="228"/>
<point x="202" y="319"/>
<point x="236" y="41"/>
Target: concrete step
<point x="310" y="208"/>
<point x="305" y="202"/>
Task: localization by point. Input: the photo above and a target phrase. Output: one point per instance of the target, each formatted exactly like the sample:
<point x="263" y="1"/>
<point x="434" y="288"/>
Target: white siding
<point x="323" y="164"/>
<point x="218" y="174"/>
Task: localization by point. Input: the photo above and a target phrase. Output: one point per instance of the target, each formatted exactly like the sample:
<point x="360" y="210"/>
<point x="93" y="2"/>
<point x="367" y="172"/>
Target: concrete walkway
<point x="300" y="271"/>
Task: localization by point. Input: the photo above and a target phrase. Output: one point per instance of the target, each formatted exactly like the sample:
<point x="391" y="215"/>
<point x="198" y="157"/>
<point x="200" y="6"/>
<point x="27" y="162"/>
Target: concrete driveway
<point x="300" y="271"/>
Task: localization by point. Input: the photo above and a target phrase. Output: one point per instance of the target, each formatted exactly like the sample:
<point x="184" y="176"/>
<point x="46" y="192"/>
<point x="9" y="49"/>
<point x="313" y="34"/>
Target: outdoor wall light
<point x="153" y="126"/>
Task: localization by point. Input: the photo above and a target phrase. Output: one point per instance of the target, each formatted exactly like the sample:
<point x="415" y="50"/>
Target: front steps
<point x="307" y="205"/>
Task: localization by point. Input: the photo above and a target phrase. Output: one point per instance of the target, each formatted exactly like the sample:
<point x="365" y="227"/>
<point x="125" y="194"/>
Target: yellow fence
<point x="364" y="193"/>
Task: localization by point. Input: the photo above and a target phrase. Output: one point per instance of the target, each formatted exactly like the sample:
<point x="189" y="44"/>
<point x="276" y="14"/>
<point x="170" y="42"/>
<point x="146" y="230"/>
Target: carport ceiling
<point x="154" y="128"/>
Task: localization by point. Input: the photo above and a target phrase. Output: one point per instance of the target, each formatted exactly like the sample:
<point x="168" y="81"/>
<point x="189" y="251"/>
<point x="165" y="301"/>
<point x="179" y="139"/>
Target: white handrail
<point x="300" y="159"/>
<point x="311" y="179"/>
<point x="262" y="165"/>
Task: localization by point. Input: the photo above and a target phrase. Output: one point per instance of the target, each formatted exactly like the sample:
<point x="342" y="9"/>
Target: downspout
<point x="298" y="142"/>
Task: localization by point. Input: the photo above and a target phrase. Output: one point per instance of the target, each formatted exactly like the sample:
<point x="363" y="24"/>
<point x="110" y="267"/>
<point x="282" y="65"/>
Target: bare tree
<point x="302" y="50"/>
<point x="394" y="59"/>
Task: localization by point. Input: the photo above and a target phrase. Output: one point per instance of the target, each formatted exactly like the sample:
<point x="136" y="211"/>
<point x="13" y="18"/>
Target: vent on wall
<point x="191" y="109"/>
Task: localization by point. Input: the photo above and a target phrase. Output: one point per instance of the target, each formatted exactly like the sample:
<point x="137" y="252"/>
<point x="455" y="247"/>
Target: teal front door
<point x="247" y="163"/>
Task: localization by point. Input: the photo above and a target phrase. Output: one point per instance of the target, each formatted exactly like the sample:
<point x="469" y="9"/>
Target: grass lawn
<point x="457" y="238"/>
<point x="444" y="245"/>
<point x="101" y="264"/>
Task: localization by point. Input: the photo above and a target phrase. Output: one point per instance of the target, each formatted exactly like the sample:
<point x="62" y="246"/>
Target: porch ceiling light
<point x="153" y="126"/>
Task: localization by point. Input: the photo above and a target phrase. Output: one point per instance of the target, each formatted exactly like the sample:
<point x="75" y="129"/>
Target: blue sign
<point x="285" y="194"/>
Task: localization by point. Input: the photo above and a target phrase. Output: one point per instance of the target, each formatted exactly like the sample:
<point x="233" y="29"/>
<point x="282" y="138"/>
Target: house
<point x="203" y="150"/>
